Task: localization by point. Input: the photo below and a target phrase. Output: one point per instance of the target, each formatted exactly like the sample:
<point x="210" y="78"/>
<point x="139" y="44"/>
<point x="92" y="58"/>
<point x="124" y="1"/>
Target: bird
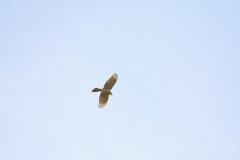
<point x="106" y="91"/>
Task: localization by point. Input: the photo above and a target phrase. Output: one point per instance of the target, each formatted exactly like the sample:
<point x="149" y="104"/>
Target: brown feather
<point x="111" y="82"/>
<point x="103" y="98"/>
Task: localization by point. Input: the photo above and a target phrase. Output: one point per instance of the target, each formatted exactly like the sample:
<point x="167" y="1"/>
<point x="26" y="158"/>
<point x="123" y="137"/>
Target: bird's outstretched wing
<point x="103" y="98"/>
<point x="110" y="83"/>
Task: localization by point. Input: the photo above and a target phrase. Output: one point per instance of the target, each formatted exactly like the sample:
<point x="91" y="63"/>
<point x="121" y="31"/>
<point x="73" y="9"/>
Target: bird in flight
<point x="106" y="91"/>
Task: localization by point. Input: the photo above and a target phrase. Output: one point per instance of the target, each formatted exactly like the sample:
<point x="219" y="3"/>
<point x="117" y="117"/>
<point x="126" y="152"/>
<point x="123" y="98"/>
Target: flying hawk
<point x="106" y="91"/>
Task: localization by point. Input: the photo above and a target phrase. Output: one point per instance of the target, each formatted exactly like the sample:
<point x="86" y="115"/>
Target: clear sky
<point x="178" y="93"/>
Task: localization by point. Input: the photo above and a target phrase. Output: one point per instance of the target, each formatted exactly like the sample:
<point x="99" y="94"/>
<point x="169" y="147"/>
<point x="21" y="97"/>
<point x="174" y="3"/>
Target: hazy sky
<point x="178" y="93"/>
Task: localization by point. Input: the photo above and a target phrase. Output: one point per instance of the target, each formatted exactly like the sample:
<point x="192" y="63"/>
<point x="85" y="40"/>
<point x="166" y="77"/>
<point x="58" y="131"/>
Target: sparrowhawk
<point x="106" y="91"/>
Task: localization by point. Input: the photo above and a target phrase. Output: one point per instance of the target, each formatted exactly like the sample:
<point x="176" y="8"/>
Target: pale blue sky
<point x="178" y="94"/>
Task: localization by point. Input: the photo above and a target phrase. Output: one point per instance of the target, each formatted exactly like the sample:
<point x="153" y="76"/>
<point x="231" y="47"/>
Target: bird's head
<point x="110" y="93"/>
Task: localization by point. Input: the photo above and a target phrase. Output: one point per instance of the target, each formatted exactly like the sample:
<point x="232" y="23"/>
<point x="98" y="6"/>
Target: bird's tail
<point x="96" y="90"/>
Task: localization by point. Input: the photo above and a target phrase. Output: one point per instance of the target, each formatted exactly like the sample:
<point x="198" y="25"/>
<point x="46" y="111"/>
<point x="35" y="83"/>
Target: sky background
<point x="177" y="96"/>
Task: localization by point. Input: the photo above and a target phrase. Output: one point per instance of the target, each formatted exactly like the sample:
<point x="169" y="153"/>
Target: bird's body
<point x="106" y="91"/>
<point x="102" y="90"/>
